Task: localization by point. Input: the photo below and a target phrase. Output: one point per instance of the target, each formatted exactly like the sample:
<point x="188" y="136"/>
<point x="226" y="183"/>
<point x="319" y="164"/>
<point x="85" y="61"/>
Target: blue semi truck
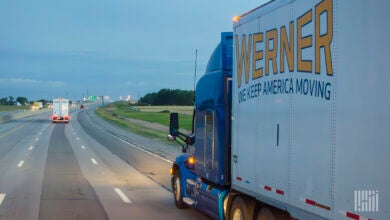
<point x="213" y="156"/>
<point x="291" y="120"/>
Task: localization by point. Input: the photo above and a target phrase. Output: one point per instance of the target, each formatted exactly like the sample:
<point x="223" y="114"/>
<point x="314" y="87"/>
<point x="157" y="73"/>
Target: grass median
<point x="151" y="122"/>
<point x="7" y="108"/>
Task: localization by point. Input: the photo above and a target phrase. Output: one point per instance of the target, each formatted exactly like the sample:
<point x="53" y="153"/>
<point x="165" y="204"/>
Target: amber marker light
<point x="191" y="160"/>
<point x="236" y="18"/>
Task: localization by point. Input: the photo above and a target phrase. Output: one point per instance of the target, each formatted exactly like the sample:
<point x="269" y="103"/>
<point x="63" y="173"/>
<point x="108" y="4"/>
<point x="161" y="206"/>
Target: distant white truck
<point x="37" y="106"/>
<point x="60" y="110"/>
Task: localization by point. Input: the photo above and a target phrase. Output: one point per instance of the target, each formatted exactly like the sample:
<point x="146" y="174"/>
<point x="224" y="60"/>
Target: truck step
<point x="188" y="201"/>
<point x="191" y="182"/>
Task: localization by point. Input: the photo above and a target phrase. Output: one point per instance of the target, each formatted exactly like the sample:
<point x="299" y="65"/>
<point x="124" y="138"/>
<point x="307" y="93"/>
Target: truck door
<point x="64" y="108"/>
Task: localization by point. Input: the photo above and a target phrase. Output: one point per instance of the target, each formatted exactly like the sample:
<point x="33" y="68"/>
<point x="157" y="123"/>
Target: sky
<point x="73" y="48"/>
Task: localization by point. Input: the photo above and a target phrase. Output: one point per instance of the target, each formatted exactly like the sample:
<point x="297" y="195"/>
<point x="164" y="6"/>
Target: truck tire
<point x="177" y="190"/>
<point x="268" y="213"/>
<point x="265" y="214"/>
<point x="241" y="210"/>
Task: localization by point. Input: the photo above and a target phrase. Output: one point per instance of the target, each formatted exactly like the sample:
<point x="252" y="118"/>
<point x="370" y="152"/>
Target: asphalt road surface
<point x="87" y="169"/>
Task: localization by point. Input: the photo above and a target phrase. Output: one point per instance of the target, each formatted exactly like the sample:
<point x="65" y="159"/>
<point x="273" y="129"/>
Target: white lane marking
<point x="94" y="161"/>
<point x="132" y="145"/>
<point x="2" y="196"/>
<point x="124" y="198"/>
<point x="78" y="139"/>
<point x="31" y="148"/>
<point x="21" y="163"/>
<point x="37" y="139"/>
<point x="82" y="147"/>
<point x="74" y="133"/>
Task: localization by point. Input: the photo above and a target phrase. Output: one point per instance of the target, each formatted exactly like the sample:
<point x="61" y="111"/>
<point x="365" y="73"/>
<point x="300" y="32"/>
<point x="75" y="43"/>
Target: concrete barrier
<point x="19" y="115"/>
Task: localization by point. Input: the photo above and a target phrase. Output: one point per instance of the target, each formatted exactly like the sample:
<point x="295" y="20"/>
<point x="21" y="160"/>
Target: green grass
<point x="155" y="114"/>
<point x="153" y="134"/>
<point x="155" y="117"/>
<point x="186" y="110"/>
<point x="7" y="108"/>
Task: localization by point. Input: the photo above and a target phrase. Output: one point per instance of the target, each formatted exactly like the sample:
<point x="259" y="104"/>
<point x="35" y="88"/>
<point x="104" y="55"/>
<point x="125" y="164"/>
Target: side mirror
<point x="174" y="124"/>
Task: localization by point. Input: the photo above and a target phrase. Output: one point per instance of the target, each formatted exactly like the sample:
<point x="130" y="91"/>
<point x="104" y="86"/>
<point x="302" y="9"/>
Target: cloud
<point x="30" y="82"/>
<point x="135" y="84"/>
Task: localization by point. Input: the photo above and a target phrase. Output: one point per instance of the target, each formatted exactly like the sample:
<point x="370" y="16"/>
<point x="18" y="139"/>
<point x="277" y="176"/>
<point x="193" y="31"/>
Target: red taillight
<point x="54" y="117"/>
<point x="66" y="117"/>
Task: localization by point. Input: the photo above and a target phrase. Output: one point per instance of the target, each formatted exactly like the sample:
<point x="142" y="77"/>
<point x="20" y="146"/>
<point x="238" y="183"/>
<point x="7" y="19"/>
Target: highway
<point x="87" y="169"/>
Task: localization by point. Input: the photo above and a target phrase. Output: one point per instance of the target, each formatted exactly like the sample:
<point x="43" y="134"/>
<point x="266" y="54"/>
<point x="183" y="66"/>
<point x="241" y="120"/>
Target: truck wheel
<point x="265" y="214"/>
<point x="241" y="210"/>
<point x="177" y="190"/>
<point x="269" y="213"/>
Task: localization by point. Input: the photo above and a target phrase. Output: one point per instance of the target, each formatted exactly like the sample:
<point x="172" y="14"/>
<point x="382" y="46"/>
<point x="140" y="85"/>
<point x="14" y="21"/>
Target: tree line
<point x="168" y="97"/>
<point x="10" y="100"/>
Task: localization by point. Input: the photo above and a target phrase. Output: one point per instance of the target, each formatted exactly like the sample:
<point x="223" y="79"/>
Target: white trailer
<point x="311" y="113"/>
<point x="60" y="110"/>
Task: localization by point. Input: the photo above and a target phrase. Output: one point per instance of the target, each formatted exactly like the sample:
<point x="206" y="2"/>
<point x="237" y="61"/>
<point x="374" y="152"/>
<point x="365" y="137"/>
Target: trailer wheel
<point x="241" y="210"/>
<point x="177" y="190"/>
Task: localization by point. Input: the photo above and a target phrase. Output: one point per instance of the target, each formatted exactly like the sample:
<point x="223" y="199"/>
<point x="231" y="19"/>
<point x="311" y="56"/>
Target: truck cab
<point x="200" y="176"/>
